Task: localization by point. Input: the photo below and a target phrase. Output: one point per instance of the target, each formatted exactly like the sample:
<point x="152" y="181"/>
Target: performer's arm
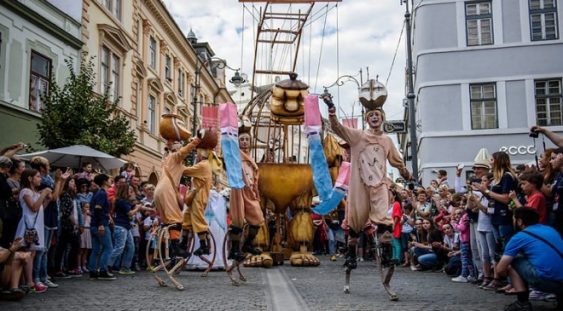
<point x="185" y="150"/>
<point x="197" y="170"/>
<point x="396" y="161"/>
<point x="350" y="135"/>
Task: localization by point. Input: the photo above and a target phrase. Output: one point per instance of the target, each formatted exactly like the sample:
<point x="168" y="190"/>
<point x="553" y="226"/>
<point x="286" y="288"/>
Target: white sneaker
<point x="471" y="279"/>
<point x="460" y="279"/>
<point x="50" y="284"/>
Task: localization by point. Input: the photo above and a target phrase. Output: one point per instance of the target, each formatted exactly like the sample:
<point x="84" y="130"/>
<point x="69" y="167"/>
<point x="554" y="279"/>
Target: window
<point x="151" y="121"/>
<point x="181" y="83"/>
<point x="114" y="6"/>
<point x="109" y="75"/>
<point x="168" y="69"/>
<point x="483" y="106"/>
<point x="39" y="80"/>
<point x="548" y="102"/>
<point x="152" y="53"/>
<point x="479" y="23"/>
<point x="543" y="20"/>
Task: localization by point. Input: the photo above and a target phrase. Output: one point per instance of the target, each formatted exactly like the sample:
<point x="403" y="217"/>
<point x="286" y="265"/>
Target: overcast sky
<point x="367" y="32"/>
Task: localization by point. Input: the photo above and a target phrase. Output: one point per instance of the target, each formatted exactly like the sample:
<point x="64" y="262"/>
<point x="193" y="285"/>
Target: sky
<point x="358" y="34"/>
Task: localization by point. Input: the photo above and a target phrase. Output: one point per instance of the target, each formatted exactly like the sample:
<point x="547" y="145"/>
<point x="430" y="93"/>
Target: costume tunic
<point x="202" y="181"/>
<point x="245" y="202"/>
<point x="166" y="193"/>
<point x="368" y="196"/>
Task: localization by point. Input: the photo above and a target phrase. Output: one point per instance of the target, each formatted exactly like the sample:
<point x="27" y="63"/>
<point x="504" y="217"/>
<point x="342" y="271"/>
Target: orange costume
<point x="245" y="203"/>
<point x="166" y="193"/>
<point x="202" y="181"/>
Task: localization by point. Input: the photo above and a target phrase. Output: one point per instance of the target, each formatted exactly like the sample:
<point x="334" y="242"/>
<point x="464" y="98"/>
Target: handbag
<point x="30" y="235"/>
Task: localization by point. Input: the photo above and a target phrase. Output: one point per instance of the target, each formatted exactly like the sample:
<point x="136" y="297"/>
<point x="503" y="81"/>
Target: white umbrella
<point x="74" y="156"/>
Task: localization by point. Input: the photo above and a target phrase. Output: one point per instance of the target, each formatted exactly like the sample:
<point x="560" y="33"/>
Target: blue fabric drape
<point x="231" y="156"/>
<point x="317" y="160"/>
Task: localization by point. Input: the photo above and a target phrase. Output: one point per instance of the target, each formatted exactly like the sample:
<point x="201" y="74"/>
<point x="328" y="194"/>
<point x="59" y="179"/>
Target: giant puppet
<point x="368" y="197"/>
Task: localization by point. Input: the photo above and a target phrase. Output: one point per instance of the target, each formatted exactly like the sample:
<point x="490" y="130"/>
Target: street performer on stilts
<point x="198" y="196"/>
<point x="368" y="196"/>
<point x="166" y="197"/>
<point x="245" y="202"/>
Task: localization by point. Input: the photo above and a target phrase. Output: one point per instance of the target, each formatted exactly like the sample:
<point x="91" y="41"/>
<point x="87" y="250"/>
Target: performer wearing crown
<point x="368" y="196"/>
<point x="245" y="202"/>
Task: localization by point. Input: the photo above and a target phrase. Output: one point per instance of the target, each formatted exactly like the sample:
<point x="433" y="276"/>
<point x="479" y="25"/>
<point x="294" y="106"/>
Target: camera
<point x="533" y="134"/>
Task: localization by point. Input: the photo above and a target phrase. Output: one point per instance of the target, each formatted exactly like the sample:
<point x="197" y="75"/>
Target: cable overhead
<point x="395" y="55"/>
<point x="321" y="50"/>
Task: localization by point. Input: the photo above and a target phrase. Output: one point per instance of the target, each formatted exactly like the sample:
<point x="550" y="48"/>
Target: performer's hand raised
<point x="327" y="98"/>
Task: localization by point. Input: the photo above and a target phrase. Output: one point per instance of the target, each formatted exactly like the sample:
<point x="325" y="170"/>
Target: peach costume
<point x="245" y="202"/>
<point x="202" y="181"/>
<point x="368" y="195"/>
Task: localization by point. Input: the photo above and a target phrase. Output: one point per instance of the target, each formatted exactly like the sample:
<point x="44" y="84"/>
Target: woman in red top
<point x="531" y="184"/>
<point x="397" y="215"/>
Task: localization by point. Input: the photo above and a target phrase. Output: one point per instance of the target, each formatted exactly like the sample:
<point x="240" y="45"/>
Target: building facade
<point x="36" y="37"/>
<point x="486" y="71"/>
<point x="152" y="68"/>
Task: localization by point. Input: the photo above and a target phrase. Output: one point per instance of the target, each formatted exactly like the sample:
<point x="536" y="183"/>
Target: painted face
<point x="244" y="141"/>
<point x="374" y="119"/>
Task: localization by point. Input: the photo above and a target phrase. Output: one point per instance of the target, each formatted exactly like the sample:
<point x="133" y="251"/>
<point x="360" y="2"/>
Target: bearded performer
<point x="245" y="202"/>
<point x="368" y="196"/>
<point x="198" y="196"/>
<point x="167" y="200"/>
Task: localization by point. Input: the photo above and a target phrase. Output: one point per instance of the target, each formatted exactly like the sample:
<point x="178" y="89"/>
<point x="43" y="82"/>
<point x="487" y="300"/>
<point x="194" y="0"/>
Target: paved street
<point x="282" y="288"/>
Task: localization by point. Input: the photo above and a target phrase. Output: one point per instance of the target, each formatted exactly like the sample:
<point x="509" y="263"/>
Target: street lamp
<point x="236" y="80"/>
<point x="410" y="94"/>
<point x="340" y="81"/>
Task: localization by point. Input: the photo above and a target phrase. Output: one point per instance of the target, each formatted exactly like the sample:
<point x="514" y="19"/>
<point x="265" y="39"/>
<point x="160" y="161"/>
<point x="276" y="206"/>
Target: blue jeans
<point x="41" y="258"/>
<point x="124" y="245"/>
<point x="396" y="245"/>
<point x="101" y="248"/>
<point x="426" y="258"/>
<point x="528" y="273"/>
<point x="331" y="242"/>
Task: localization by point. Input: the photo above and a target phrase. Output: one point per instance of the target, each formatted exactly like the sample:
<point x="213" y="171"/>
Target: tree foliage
<point x="75" y="115"/>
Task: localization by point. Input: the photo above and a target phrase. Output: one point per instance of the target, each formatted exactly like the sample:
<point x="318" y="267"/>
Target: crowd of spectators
<point x="59" y="224"/>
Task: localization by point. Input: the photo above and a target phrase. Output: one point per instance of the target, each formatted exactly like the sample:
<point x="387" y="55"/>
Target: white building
<point x="486" y="71"/>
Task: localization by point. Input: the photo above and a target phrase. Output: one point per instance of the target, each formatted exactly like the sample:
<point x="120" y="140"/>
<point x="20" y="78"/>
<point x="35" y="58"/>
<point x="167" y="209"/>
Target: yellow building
<point x="153" y="70"/>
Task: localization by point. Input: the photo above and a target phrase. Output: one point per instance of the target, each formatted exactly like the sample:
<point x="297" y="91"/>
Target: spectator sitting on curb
<point x="12" y="262"/>
<point x="533" y="258"/>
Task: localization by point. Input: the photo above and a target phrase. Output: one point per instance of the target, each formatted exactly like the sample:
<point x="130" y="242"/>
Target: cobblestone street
<point x="281" y="288"/>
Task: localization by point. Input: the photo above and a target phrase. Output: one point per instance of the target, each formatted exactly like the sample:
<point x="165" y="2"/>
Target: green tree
<point x="75" y="115"/>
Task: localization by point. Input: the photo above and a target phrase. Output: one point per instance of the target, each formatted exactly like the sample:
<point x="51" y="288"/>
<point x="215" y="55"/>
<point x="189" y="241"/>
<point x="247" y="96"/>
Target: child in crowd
<point x="406" y="230"/>
<point x="531" y="184"/>
<point x="397" y="215"/>
<point x="150" y="224"/>
<point x="85" y="239"/>
<point x="460" y="223"/>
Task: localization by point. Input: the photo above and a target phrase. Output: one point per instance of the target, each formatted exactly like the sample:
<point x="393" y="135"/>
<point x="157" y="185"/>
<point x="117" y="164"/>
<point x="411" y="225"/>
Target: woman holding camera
<point x="31" y="226"/>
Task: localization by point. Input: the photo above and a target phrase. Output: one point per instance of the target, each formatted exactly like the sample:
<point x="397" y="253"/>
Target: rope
<point x="395" y="55"/>
<point x="337" y="55"/>
<point x="321" y="51"/>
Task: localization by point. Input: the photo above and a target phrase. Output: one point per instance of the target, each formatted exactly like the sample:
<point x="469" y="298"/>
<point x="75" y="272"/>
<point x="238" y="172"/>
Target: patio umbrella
<point x="74" y="156"/>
